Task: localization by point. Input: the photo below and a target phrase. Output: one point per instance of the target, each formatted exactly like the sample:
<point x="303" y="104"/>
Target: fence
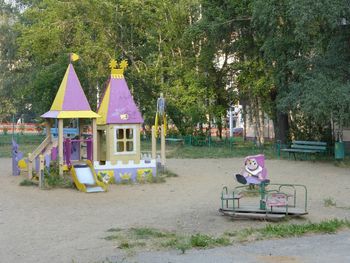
<point x="27" y="143"/>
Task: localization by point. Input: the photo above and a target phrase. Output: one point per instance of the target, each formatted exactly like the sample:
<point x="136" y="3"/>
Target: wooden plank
<point x="259" y="216"/>
<point x="275" y="210"/>
<point x="310" y="143"/>
<point x="299" y="150"/>
<point x="174" y="140"/>
<point x="40" y="148"/>
<point x="309" y="147"/>
<point x="154" y="143"/>
<point x="94" y="140"/>
<point x="60" y="146"/>
<point x="162" y="145"/>
<point x="265" y="216"/>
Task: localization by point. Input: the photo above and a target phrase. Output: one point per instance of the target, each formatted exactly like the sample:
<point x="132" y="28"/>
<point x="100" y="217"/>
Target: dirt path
<point x="64" y="225"/>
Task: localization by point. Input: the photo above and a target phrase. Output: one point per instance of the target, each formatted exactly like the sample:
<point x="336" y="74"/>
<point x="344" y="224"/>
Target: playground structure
<point x="110" y="154"/>
<point x="119" y="151"/>
<point x="276" y="201"/>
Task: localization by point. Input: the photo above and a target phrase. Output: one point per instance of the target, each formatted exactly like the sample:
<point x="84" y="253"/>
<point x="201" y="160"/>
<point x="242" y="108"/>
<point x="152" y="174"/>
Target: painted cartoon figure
<point x="254" y="171"/>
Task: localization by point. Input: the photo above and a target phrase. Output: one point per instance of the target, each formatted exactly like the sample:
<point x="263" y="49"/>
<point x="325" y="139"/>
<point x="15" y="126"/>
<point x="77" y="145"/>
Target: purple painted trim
<point x="121" y="102"/>
<point x="47" y="161"/>
<point x="54" y="153"/>
<point x="132" y="171"/>
<point x="67" y="150"/>
<point x="74" y="97"/>
<point x="16" y="156"/>
<point x="75" y="150"/>
<point x="89" y="149"/>
<point x="51" y="114"/>
<point x="37" y="165"/>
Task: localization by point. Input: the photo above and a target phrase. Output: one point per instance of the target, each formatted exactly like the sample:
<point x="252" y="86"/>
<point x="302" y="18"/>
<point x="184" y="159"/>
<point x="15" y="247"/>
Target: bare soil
<point x="64" y="225"/>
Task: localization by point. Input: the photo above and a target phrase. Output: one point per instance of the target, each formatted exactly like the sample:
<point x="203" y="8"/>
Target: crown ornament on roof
<point x="118" y="72"/>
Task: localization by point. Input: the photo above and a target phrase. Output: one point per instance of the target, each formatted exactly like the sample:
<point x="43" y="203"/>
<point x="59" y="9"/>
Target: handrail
<point x="40" y="148"/>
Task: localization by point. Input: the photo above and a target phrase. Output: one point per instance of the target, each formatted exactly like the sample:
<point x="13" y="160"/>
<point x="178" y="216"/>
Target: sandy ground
<point x="64" y="225"/>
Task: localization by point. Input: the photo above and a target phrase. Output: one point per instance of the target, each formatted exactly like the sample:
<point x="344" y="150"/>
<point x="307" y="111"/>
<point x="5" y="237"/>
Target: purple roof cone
<point x="74" y="97"/>
<point x="122" y="108"/>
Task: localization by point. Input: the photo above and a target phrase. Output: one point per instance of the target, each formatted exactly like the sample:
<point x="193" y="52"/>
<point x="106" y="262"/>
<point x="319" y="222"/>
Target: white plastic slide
<point x="85" y="179"/>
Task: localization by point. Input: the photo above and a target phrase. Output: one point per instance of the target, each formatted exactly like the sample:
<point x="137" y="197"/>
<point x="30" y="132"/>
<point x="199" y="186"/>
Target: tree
<point x="8" y="15"/>
<point x="149" y="34"/>
<point x="305" y="46"/>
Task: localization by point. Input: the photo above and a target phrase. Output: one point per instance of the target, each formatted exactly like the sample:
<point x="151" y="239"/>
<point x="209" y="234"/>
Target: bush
<point x="22" y="129"/>
<point x="54" y="180"/>
<point x="5" y="130"/>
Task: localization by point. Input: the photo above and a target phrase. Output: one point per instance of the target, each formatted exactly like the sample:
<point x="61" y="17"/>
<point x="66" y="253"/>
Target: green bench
<point x="306" y="148"/>
<point x="174" y="140"/>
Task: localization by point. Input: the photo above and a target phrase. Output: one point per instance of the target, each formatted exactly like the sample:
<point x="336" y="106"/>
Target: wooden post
<point x="48" y="128"/>
<point x="41" y="171"/>
<point x="162" y="146"/>
<point x="81" y="137"/>
<point x="94" y="140"/>
<point x="30" y="167"/>
<point x="60" y="146"/>
<point x="154" y="143"/>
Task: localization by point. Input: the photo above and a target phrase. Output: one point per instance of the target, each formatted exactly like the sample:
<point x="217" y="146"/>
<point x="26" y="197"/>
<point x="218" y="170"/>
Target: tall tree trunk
<point x="281" y="127"/>
<point x="261" y="119"/>
<point x="244" y="113"/>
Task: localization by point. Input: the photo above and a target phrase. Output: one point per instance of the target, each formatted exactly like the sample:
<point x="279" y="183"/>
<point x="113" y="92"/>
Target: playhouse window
<point x="125" y="140"/>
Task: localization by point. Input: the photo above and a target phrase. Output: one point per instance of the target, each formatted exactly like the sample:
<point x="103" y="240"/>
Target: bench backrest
<point x="309" y="145"/>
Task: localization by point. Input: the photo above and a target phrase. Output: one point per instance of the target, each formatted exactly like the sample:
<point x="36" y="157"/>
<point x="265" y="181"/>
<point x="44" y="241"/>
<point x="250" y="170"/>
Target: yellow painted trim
<point x="103" y="110"/>
<point x="117" y="76"/>
<point x="58" y="101"/>
<point x="98" y="182"/>
<point x="77" y="114"/>
<point x="81" y="187"/>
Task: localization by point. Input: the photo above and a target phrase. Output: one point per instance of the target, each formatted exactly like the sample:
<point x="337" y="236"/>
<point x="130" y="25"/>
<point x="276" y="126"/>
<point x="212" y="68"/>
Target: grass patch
<point x="147" y="233"/>
<point x="135" y="238"/>
<point x="27" y="143"/>
<point x="204" y="241"/>
<point x="161" y="176"/>
<point x="196" y="152"/>
<point x="218" y="149"/>
<point x="167" y="173"/>
<point x="343" y="163"/>
<point x="114" y="229"/>
<point x="158" y="179"/>
<point x="289" y="230"/>
<point x="329" y="202"/>
<point x="27" y="182"/>
<point x="130" y="245"/>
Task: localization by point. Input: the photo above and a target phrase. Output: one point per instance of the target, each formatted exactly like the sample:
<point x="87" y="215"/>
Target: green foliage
<point x="147" y="233"/>
<point x="203" y="241"/>
<point x="156" y="239"/>
<point x="117" y="229"/>
<point x="304" y="43"/>
<point x="54" y="180"/>
<point x="329" y="201"/>
<point x="149" y="36"/>
<point x="27" y="182"/>
<point x="135" y="238"/>
<point x="284" y="58"/>
<point x="5" y="130"/>
<point x="289" y="230"/>
<point x="327" y="227"/>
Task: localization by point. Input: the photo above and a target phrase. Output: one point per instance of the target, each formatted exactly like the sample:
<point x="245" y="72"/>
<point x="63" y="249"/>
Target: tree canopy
<point x="287" y="59"/>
